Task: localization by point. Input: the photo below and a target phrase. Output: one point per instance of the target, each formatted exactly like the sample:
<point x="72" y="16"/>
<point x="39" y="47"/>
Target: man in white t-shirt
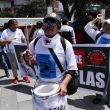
<point x="67" y="32"/>
<point x="104" y="38"/>
<point x="39" y="31"/>
<point x="48" y="70"/>
<point x="10" y="36"/>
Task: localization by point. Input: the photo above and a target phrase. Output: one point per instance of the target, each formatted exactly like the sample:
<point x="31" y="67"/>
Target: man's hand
<point x="63" y="86"/>
<point x="62" y="89"/>
<point x="28" y="55"/>
<point x="99" y="16"/>
<point x="8" y="41"/>
<point x="4" y="42"/>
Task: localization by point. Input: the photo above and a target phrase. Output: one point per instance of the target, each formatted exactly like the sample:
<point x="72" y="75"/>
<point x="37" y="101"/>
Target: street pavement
<point x="18" y="96"/>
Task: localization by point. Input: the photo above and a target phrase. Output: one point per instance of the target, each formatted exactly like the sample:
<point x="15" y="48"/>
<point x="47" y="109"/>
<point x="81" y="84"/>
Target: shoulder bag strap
<point x="56" y="60"/>
<point x="54" y="55"/>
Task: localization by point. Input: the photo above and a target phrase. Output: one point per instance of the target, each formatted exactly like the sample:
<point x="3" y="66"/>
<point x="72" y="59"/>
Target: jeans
<point x="3" y="62"/>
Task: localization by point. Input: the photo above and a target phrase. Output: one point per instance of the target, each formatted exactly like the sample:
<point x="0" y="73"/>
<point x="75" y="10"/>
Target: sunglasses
<point x="107" y="25"/>
<point x="52" y="23"/>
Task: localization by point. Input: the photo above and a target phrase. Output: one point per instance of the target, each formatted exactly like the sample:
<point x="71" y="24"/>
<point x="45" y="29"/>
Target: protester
<point x="10" y="36"/>
<point x="3" y="59"/>
<point x="67" y="32"/>
<point x="39" y="31"/>
<point x="103" y="39"/>
<point x="4" y="48"/>
<point x="85" y="37"/>
<point x="78" y="34"/>
<point x="45" y="61"/>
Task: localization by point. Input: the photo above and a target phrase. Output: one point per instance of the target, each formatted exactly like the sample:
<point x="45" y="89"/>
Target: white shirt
<point x="15" y="37"/>
<point x="38" y="32"/>
<point x="103" y="39"/>
<point x="51" y="72"/>
<point x="65" y="28"/>
<point x="48" y="70"/>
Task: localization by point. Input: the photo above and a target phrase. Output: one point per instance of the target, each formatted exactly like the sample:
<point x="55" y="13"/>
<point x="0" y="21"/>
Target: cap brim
<point x="49" y="18"/>
<point x="105" y="21"/>
<point x="108" y="21"/>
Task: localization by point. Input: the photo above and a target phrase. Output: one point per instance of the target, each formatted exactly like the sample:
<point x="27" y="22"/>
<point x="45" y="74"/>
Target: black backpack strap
<point x="36" y="40"/>
<point x="98" y="35"/>
<point x="63" y="43"/>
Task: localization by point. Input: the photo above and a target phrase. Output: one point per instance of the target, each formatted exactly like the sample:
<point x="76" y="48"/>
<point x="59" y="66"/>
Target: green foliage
<point x="37" y="8"/>
<point x="7" y="14"/>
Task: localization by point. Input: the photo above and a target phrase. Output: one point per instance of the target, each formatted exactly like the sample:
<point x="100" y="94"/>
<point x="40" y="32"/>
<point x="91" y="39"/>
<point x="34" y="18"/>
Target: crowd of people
<point x="50" y="32"/>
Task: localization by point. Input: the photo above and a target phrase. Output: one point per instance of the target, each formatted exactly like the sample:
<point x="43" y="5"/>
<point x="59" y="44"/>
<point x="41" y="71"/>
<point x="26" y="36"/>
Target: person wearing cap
<point x="67" y="32"/>
<point x="103" y="39"/>
<point x="9" y="36"/>
<point x="85" y="37"/>
<point x="39" y="31"/>
<point x="51" y="39"/>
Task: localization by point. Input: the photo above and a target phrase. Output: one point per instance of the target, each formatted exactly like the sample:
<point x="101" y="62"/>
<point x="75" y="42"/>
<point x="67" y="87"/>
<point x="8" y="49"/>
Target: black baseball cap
<point x="64" y="20"/>
<point x="53" y="16"/>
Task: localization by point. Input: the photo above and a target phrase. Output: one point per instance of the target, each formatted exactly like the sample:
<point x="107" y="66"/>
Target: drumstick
<point x="27" y="41"/>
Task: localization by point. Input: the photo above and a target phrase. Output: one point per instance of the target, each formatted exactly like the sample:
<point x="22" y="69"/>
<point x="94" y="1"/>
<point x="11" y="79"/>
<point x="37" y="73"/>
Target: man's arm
<point x="63" y="86"/>
<point x="3" y="42"/>
<point x="99" y="17"/>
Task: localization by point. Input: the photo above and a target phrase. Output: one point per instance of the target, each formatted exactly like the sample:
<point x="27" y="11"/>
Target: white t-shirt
<point x="65" y="28"/>
<point x="38" y="32"/>
<point x="48" y="70"/>
<point x="16" y="37"/>
<point x="51" y="72"/>
<point x="103" y="39"/>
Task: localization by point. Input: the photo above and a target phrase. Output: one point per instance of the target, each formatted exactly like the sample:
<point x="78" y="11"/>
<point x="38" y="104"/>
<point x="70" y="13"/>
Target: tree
<point x="37" y="8"/>
<point x="79" y="5"/>
<point x="6" y="13"/>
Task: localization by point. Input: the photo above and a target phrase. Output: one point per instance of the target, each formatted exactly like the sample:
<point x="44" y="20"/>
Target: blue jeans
<point x="3" y="62"/>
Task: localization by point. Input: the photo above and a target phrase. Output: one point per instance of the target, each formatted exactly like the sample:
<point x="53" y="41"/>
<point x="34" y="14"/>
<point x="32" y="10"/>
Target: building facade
<point x="5" y="4"/>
